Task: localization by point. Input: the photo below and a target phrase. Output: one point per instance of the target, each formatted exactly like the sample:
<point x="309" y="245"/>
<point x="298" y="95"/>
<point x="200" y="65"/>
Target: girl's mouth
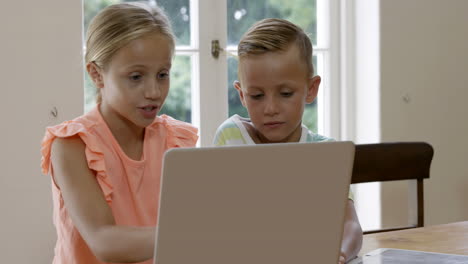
<point x="149" y="111"/>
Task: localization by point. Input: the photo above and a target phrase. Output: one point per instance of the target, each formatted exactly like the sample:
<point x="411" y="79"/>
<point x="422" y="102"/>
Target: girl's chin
<point x="145" y="124"/>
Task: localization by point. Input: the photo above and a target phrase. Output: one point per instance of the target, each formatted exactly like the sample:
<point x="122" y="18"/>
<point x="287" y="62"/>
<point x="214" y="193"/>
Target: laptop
<point x="270" y="203"/>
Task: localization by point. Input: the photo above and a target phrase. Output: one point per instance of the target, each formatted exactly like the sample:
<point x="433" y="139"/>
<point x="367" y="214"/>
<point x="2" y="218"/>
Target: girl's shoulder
<point x="82" y="127"/>
<point x="178" y="133"/>
<point x="81" y="124"/>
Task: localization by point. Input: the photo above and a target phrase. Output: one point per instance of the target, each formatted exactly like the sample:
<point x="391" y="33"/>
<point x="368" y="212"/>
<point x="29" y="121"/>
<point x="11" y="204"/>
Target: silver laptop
<point x="274" y="203"/>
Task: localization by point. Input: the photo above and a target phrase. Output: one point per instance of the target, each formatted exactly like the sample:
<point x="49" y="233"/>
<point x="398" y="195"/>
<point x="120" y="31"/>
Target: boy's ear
<point x="238" y="87"/>
<point x="95" y="73"/>
<point x="312" y="88"/>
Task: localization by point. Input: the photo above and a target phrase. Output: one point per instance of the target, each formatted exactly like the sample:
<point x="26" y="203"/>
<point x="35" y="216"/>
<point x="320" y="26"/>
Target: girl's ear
<point x="312" y="88"/>
<point x="238" y="87"/>
<point x="96" y="74"/>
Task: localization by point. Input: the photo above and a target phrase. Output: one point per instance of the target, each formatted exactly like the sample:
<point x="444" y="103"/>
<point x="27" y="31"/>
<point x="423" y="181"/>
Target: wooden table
<point x="448" y="238"/>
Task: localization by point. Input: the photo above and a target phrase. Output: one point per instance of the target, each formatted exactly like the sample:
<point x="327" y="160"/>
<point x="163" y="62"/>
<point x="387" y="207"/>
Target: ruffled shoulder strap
<point x="179" y="134"/>
<point x="93" y="150"/>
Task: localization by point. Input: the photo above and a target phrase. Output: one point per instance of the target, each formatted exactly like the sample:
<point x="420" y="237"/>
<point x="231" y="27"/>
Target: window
<point x="201" y="86"/>
<point x="201" y="83"/>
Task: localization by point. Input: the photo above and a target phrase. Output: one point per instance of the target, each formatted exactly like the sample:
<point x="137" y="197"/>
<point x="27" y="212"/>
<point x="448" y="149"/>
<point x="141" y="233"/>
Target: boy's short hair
<point x="272" y="35"/>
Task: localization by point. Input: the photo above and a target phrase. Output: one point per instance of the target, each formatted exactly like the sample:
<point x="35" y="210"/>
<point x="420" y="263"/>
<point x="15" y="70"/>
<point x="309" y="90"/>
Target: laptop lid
<point x="273" y="203"/>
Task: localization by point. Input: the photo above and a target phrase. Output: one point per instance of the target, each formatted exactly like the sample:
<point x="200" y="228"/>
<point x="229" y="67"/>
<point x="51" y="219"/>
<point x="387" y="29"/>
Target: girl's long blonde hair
<point x="117" y="25"/>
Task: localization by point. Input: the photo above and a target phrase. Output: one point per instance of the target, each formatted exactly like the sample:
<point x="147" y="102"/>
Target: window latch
<point x="215" y="48"/>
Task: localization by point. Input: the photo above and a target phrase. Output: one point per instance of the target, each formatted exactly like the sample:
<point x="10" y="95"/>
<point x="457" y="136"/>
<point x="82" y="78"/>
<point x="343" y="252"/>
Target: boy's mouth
<point x="273" y="124"/>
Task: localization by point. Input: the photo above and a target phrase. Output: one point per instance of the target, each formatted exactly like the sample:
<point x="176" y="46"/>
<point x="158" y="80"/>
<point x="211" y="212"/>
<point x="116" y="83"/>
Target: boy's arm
<point x="352" y="233"/>
<point x="89" y="210"/>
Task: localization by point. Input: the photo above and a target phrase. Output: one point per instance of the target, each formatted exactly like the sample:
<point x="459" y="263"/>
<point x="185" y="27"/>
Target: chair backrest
<point x="397" y="161"/>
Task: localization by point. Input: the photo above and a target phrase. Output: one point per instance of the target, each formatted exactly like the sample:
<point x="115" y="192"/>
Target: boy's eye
<point x="256" y="96"/>
<point x="287" y="94"/>
<point x="163" y="75"/>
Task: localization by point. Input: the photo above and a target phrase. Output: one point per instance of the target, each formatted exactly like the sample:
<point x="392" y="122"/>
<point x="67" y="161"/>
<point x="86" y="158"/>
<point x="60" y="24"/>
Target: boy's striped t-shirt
<point x="233" y="133"/>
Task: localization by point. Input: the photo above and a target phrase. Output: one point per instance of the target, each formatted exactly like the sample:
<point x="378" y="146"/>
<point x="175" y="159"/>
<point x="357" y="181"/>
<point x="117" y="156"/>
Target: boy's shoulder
<point x="313" y="137"/>
<point x="230" y="132"/>
<point x="231" y="122"/>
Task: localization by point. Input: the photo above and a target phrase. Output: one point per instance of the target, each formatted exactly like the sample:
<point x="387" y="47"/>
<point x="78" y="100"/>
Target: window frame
<point x="207" y="92"/>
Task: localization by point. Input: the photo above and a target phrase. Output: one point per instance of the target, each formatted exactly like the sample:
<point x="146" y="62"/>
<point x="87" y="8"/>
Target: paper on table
<point x="400" y="256"/>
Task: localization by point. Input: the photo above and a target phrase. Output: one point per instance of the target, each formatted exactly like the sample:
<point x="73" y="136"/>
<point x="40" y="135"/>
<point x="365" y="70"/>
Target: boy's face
<point x="274" y="87"/>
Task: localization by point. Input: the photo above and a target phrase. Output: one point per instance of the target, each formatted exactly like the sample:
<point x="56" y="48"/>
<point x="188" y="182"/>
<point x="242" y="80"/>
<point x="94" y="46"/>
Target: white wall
<point x="40" y="67"/>
<point x="424" y="56"/>
<point x="366" y="69"/>
<point x="423" y="86"/>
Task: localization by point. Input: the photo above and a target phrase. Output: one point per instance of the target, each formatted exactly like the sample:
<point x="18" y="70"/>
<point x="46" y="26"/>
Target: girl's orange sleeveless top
<point x="130" y="187"/>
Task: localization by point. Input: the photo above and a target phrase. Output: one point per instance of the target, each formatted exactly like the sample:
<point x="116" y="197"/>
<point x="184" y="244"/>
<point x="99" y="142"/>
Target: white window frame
<point x="358" y="18"/>
<point x="328" y="46"/>
<point x="209" y="79"/>
<point x="337" y="95"/>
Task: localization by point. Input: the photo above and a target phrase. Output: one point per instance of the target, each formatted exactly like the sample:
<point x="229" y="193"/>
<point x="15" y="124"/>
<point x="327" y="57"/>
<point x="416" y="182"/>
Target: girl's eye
<point x="287" y="94"/>
<point x="256" y="96"/>
<point x="135" y="77"/>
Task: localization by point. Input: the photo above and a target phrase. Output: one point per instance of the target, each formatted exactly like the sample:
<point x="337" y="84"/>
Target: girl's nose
<point x="153" y="90"/>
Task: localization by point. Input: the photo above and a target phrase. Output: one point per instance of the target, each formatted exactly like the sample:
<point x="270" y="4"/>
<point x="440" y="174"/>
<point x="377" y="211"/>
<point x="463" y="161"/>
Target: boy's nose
<point x="271" y="107"/>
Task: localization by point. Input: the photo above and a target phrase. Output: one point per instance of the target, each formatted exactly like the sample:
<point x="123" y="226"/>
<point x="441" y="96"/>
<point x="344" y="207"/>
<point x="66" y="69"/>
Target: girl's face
<point x="135" y="82"/>
<point x="275" y="87"/>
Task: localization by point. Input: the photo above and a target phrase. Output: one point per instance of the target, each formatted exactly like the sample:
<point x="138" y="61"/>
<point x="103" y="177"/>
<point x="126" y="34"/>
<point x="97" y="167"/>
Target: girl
<point x="106" y="165"/>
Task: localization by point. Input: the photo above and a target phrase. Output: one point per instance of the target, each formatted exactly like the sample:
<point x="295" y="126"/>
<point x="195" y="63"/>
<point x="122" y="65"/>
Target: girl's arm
<point x="352" y="234"/>
<point x="89" y="210"/>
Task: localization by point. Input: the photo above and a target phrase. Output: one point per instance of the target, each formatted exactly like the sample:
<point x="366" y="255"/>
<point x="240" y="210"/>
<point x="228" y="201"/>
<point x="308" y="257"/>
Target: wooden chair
<point x="394" y="162"/>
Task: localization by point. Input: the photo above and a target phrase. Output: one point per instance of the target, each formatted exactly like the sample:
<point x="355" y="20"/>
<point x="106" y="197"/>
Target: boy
<point x="276" y="82"/>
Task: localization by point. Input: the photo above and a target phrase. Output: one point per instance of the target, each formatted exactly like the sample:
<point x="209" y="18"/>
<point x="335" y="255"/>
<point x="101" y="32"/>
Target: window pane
<point x="235" y="106"/>
<point x="89" y="94"/>
<point x="243" y="13"/>
<point x="178" y="102"/>
<point x="309" y="118"/>
<point x="92" y="7"/>
<point x="178" y="12"/>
